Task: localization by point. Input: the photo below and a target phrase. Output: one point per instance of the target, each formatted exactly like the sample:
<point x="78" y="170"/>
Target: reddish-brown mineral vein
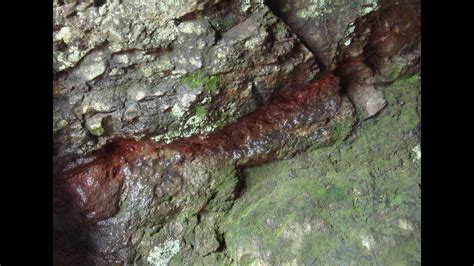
<point x="385" y="45"/>
<point x="92" y="184"/>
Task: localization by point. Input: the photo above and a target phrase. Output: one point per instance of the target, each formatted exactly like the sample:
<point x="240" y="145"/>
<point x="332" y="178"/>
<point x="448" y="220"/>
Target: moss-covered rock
<point x="355" y="203"/>
<point x="199" y="79"/>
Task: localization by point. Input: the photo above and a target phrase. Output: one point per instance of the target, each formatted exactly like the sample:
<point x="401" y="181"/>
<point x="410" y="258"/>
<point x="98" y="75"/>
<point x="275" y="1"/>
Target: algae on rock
<point x="357" y="202"/>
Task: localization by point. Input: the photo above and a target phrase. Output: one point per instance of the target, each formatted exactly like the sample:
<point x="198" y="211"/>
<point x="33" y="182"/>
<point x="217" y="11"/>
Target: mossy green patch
<point x="201" y="112"/>
<point x="97" y="131"/>
<point x="199" y="78"/>
<point x="226" y="181"/>
<point x="222" y="118"/>
<point x="193" y="80"/>
<point x="210" y="83"/>
<point x="395" y="73"/>
<point x="280" y="28"/>
<point x="269" y="18"/>
<point x="340" y="203"/>
<point x="341" y="130"/>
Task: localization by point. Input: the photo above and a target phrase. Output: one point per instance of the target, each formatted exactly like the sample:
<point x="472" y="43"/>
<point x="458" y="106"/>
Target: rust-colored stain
<point x="92" y="183"/>
<point x="379" y="36"/>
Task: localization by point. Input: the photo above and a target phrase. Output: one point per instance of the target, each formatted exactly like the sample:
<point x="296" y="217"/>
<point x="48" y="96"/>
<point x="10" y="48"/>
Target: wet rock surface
<point x="356" y="203"/>
<point x="165" y="111"/>
<point x="383" y="46"/>
<point x="153" y="69"/>
<point x="322" y="24"/>
<point x="128" y="186"/>
<point x="367" y="41"/>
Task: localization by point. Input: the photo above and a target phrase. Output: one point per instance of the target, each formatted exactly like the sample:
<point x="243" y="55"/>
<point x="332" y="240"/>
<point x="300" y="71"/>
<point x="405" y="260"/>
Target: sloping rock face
<point x="116" y="194"/>
<point x="384" y="46"/>
<point x="367" y="41"/>
<point x="387" y="41"/>
<point x="155" y="69"/>
<point x="163" y="109"/>
<point x="357" y="203"/>
<point x="322" y="24"/>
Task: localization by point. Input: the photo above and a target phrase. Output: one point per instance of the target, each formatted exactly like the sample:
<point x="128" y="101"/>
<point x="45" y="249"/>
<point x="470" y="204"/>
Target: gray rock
<point x="116" y="195"/>
<point x="322" y="24"/>
<point x="163" y="71"/>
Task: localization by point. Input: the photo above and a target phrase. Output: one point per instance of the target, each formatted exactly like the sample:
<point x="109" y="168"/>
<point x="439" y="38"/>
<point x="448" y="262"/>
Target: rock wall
<point x="357" y="203"/>
<point x="167" y="115"/>
<point x="131" y="186"/>
<point x="153" y="69"/>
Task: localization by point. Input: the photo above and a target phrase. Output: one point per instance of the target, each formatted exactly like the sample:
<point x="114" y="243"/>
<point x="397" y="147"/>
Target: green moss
<point x="193" y="80"/>
<point x="341" y="203"/>
<point x="413" y="80"/>
<point x="341" y="131"/>
<point x="201" y="112"/>
<point x="147" y="234"/>
<point x="397" y="255"/>
<point x="226" y="181"/>
<point x="255" y="215"/>
<point x="97" y="131"/>
<point x="210" y="83"/>
<point x="198" y="79"/>
<point x="123" y="205"/>
<point x="280" y="28"/>
<point x="342" y="125"/>
<point x="269" y="18"/>
<point x="222" y="118"/>
<point x="395" y="72"/>
<point x="336" y="194"/>
<point x="395" y="76"/>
